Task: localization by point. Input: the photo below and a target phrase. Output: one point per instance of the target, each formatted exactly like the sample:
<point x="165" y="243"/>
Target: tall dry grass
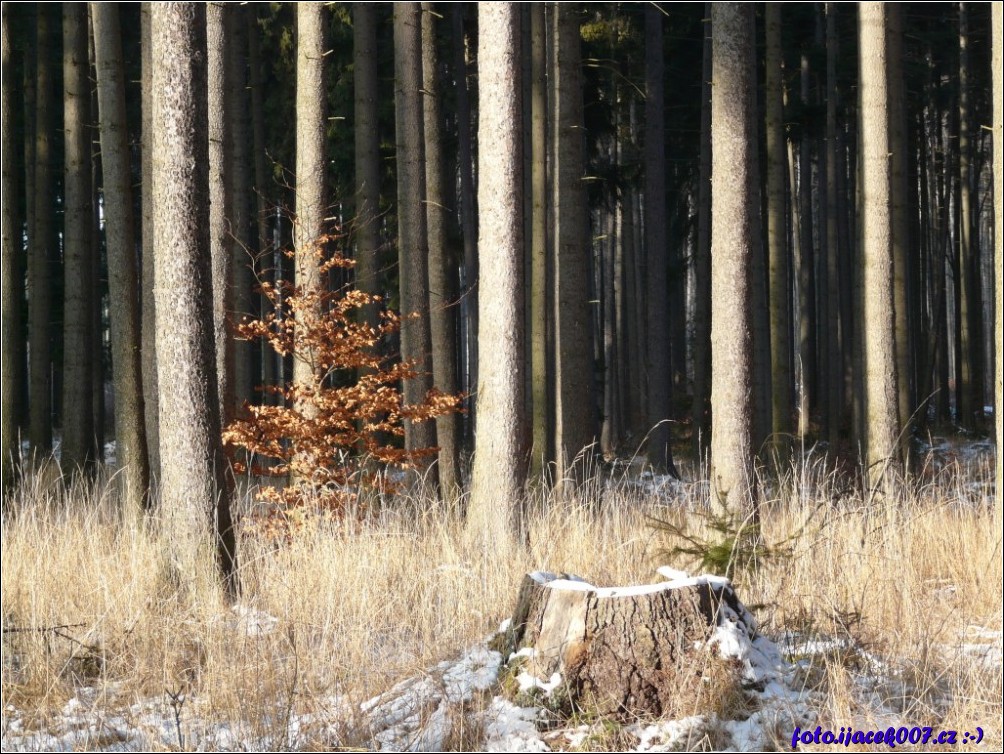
<point x="907" y="593"/>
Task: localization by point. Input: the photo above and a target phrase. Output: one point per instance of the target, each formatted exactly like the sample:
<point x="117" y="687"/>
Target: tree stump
<point x="626" y="651"/>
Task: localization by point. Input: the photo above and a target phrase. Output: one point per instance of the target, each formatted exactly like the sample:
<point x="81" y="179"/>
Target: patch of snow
<point x="511" y="728"/>
<point x="529" y="681"/>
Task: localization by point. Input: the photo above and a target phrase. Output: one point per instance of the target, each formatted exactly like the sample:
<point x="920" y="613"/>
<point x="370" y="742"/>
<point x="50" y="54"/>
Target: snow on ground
<point x="456" y="704"/>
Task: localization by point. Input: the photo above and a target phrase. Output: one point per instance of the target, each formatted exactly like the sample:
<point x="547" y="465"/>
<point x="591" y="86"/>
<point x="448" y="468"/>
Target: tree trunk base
<point x="627" y="651"/>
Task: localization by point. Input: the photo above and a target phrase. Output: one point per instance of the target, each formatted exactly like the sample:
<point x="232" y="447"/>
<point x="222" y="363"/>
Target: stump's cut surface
<point x="622" y="651"/>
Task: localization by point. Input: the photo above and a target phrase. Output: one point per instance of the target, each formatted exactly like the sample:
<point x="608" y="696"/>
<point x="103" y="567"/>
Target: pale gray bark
<point x="876" y="236"/>
<point x="734" y="242"/>
<point x="196" y="487"/>
<point x="702" y="264"/>
<point x="538" y="246"/>
<point x="494" y="516"/>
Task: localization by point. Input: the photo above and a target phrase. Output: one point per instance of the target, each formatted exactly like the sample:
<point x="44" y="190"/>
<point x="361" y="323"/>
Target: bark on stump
<point x="623" y="651"/>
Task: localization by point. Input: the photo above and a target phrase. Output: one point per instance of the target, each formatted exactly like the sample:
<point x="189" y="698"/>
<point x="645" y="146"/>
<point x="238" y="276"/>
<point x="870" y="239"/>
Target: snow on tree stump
<point x="625" y="651"/>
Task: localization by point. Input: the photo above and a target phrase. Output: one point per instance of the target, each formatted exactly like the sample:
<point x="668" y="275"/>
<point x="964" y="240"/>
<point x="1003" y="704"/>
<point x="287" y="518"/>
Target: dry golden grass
<point x="87" y="601"/>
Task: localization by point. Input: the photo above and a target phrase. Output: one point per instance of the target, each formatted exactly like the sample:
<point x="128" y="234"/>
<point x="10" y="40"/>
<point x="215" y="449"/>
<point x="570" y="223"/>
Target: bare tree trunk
<point x="899" y="222"/>
<point x="413" y="252"/>
<point x="367" y="156"/>
<point x="78" y="261"/>
<point x="41" y="251"/>
<point x="538" y="284"/>
<point x="11" y="226"/>
<point x="151" y="393"/>
<point x="196" y="487"/>
<point x="468" y="212"/>
<point x="660" y="378"/>
<point x="221" y="198"/>
<point x="442" y="285"/>
<point x="311" y="185"/>
<point x="880" y="343"/>
<point x="777" y="237"/>
<point x="998" y="125"/>
<point x="242" y="261"/>
<point x="575" y="404"/>
<point x="806" y="276"/>
<point x="835" y="342"/>
<point x="702" y="267"/>
<point x="495" y="517"/>
<point x="123" y="277"/>
<point x="734" y="242"/>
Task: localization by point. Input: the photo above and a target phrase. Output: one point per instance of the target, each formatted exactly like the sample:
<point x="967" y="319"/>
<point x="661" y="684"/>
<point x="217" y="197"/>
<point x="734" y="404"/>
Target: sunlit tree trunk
<point x="734" y="241"/>
<point x="151" y="397"/>
<point x="876" y="235"/>
<point x="494" y="515"/>
<point x="538" y="245"/>
<point x="196" y="488"/>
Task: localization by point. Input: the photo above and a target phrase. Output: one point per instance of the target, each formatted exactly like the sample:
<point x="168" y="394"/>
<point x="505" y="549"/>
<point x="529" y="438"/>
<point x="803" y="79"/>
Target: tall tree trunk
<point x="734" y="241"/>
<point x="221" y="198"/>
<point x="413" y="252"/>
<point x="998" y="125"/>
<point x="242" y="254"/>
<point x="151" y="392"/>
<point x="367" y="155"/>
<point x="311" y="185"/>
<point x="806" y="274"/>
<point x="196" y="488"/>
<point x="702" y="266"/>
<point x="538" y="247"/>
<point x="78" y="256"/>
<point x="777" y="238"/>
<point x="123" y="277"/>
<point x="575" y="404"/>
<point x="42" y="248"/>
<point x="9" y="281"/>
<point x="468" y="212"/>
<point x="900" y="222"/>
<point x="442" y="285"/>
<point x="880" y="343"/>
<point x="494" y="516"/>
<point x="837" y="337"/>
<point x="660" y="377"/>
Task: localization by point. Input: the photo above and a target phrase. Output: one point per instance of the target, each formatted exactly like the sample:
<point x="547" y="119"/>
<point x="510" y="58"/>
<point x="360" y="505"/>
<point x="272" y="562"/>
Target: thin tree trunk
<point x="9" y="282"/>
<point x="835" y="342"/>
<point x="242" y="261"/>
<point x="806" y="274"/>
<point x="998" y="125"/>
<point x="442" y="285"/>
<point x="468" y="211"/>
<point x="42" y="249"/>
<point x="413" y="249"/>
<point x="538" y="283"/>
<point x="221" y="198"/>
<point x="367" y="155"/>
<point x="702" y="267"/>
<point x="311" y="184"/>
<point x="660" y="376"/>
<point x="151" y="393"/>
<point x="575" y="405"/>
<point x="123" y="277"/>
<point x="777" y="237"/>
<point x="78" y="256"/>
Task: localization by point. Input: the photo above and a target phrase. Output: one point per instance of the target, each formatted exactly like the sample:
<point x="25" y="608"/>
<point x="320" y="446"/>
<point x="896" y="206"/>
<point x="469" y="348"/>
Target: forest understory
<point x="883" y="614"/>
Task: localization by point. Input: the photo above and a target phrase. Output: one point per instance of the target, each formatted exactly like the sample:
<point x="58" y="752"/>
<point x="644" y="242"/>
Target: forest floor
<point x="374" y="633"/>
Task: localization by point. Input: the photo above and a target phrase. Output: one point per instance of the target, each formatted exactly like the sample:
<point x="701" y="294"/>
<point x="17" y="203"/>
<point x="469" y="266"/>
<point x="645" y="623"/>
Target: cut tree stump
<point x="626" y="651"/>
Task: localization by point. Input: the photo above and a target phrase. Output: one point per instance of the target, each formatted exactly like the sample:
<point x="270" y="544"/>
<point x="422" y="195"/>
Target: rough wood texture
<point x="620" y="651"/>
